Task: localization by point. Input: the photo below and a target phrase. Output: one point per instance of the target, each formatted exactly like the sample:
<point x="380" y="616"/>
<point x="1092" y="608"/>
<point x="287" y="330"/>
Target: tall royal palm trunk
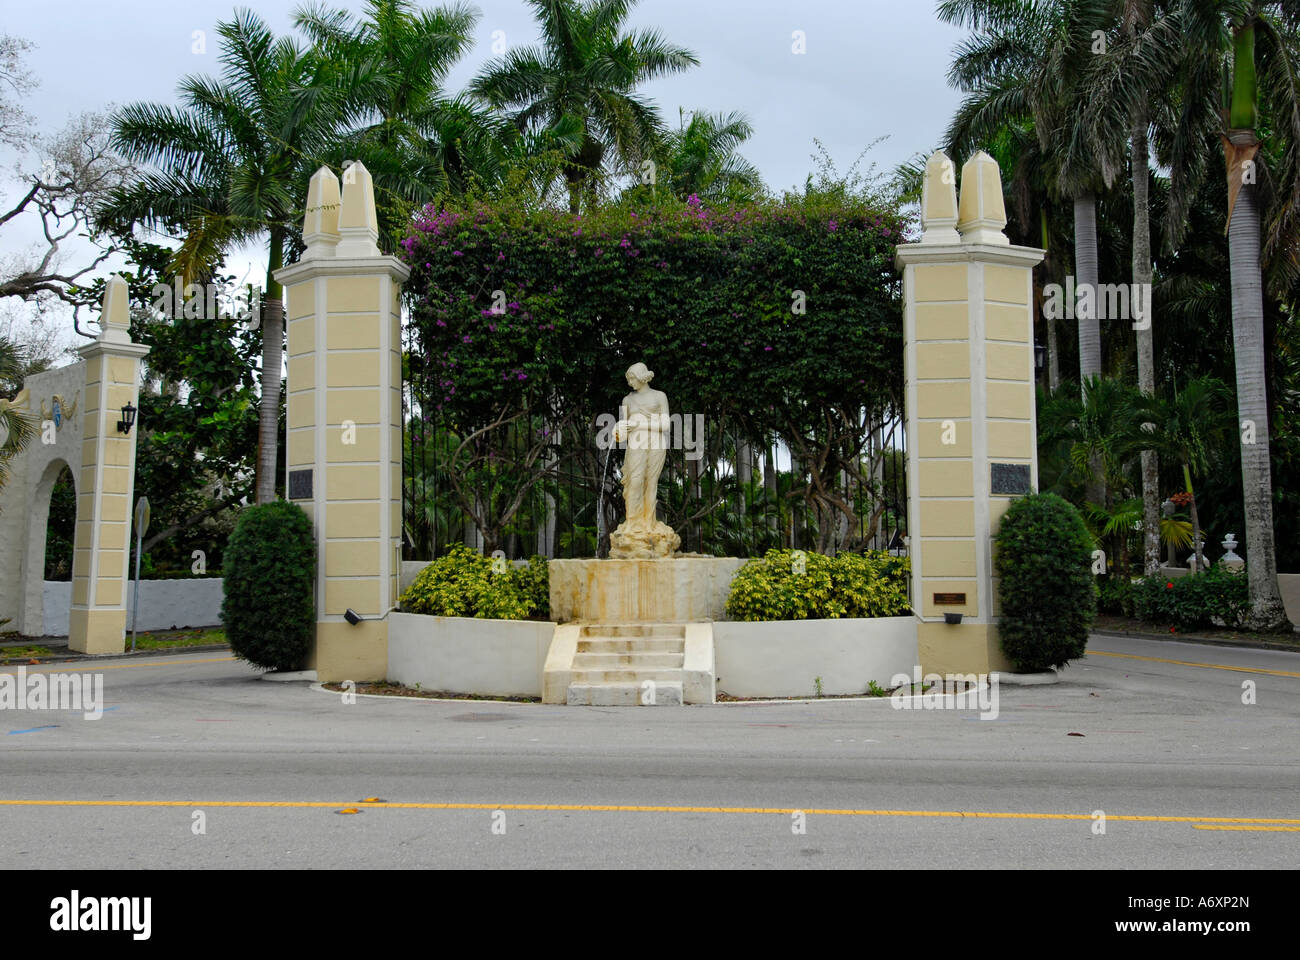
<point x="1266" y="609"/>
<point x="1142" y="273"/>
<point x="268" y="421"/>
<point x="1086" y="277"/>
<point x="1049" y="273"/>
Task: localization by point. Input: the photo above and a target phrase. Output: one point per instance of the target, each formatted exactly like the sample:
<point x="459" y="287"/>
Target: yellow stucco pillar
<point x="971" y="436"/>
<point x="101" y="545"/>
<point x="344" y="419"/>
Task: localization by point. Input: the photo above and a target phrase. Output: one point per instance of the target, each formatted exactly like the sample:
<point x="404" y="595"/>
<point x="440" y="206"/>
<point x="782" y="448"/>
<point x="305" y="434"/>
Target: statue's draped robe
<point x="646" y="415"/>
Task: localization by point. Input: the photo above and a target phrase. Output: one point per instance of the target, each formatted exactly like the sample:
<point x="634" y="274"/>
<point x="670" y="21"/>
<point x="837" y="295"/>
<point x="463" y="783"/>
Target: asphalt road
<point x="1185" y="773"/>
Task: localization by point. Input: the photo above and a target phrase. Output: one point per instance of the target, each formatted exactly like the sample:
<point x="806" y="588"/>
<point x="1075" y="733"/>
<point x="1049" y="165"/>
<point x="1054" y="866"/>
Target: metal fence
<point x="534" y="481"/>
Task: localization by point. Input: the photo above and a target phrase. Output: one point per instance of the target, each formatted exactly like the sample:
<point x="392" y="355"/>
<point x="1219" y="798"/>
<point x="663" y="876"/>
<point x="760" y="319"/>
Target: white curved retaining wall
<point x="501" y="658"/>
<point x="164" y="604"/>
<point x="782" y="658"/>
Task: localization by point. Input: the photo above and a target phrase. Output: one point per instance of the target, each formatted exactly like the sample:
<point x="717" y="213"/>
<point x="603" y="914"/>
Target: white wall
<point x="164" y="604"/>
<point x="25" y="499"/>
<point x="1289" y="583"/>
<point x="467" y="655"/>
<point x="781" y="658"/>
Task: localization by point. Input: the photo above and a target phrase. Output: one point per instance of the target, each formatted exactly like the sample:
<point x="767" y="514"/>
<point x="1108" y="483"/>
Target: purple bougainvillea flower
<point x="467" y="339"/>
<point x="457" y="253"/>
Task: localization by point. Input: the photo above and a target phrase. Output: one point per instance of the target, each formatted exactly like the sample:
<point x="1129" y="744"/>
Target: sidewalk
<point x="59" y="652"/>
<point x="1108" y="628"/>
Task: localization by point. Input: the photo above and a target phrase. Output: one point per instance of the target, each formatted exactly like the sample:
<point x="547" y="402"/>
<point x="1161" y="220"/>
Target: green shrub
<point x="872" y="584"/>
<point x="1194" y="601"/>
<point x="462" y="584"/>
<point x="1115" y="596"/>
<point x="269" y="610"/>
<point x="1047" y="593"/>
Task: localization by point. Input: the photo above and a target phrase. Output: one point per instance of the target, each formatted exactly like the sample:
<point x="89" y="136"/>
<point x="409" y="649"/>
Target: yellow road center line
<point x="630" y="808"/>
<point x="1191" y="663"/>
<point x="1205" y="826"/>
<point x="77" y="666"/>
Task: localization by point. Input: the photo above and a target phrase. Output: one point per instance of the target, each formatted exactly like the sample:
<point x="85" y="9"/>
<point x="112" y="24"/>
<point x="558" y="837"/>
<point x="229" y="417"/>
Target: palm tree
<point x="1250" y="50"/>
<point x="230" y="166"/>
<point x="413" y="139"/>
<point x="1134" y="23"/>
<point x="580" y="84"/>
<point x="1097" y="428"/>
<point x="1267" y="610"/>
<point x="1187" y="428"/>
<point x="17" y="423"/>
<point x="700" y="158"/>
<point x="1025" y="62"/>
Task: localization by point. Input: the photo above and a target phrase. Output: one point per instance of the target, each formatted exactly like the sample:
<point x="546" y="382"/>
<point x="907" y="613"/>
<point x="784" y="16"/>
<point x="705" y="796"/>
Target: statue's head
<point x="638" y="374"/>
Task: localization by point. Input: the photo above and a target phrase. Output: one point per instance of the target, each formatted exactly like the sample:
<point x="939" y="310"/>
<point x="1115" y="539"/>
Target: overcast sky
<point x="872" y="68"/>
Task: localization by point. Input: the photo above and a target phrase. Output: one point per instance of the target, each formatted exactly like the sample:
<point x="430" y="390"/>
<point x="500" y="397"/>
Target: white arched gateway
<point x="78" y="408"/>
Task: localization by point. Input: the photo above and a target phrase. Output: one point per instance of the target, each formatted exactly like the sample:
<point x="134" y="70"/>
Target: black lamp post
<point x="128" y="418"/>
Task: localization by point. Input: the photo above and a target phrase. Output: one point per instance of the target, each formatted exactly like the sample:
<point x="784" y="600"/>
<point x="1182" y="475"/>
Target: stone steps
<point x="625" y="675"/>
<point x="637" y="694"/>
<point x="630" y="664"/>
<point x="609" y="645"/>
<point x="638" y="631"/>
<point x="626" y="659"/>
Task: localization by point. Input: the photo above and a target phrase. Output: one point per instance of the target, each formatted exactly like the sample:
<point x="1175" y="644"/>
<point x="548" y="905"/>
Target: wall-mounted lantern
<point x="128" y="418"/>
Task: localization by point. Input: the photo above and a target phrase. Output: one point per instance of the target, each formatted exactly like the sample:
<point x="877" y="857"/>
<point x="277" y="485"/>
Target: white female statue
<point x="644" y="425"/>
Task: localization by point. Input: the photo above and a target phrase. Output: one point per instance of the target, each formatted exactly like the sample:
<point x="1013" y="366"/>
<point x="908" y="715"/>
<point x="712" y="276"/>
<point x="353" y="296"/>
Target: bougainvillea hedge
<point x="773" y="313"/>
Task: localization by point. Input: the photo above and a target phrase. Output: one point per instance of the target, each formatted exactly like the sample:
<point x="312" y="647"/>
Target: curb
<point x="1026" y="679"/>
<point x="93" y="658"/>
<point x="320" y="687"/>
<point x="1248" y="644"/>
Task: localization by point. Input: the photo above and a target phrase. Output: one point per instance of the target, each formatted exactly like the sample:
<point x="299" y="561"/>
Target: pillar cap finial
<point x="115" y="313"/>
<point x="320" y="227"/>
<point x="939" y="200"/>
<point x="358" y="222"/>
<point x="982" y="212"/>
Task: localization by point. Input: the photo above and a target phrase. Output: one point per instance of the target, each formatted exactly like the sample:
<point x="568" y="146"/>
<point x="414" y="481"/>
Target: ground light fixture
<point x="128" y="418"/>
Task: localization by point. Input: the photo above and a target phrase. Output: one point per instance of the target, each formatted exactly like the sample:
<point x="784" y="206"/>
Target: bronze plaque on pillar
<point x="1009" y="478"/>
<point x="300" y="484"/>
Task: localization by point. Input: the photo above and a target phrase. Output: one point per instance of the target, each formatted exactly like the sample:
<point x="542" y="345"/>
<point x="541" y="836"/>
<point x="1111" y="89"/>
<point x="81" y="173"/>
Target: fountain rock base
<point x="638" y="543"/>
<point x="671" y="589"/>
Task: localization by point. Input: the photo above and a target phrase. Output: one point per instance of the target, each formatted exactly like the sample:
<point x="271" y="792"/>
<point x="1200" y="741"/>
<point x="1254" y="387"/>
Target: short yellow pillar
<point x="971" y="438"/>
<point x="101" y="545"/>
<point x="343" y="412"/>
